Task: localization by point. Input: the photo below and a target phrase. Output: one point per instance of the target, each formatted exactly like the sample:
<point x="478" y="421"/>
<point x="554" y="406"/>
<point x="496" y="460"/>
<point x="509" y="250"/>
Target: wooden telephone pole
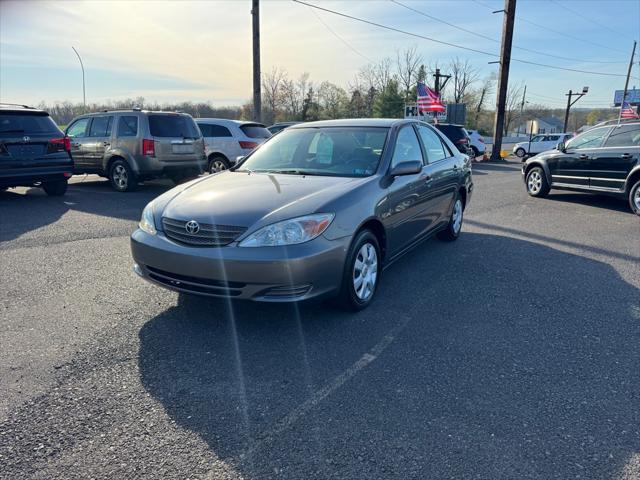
<point x="257" y="93"/>
<point x="503" y="80"/>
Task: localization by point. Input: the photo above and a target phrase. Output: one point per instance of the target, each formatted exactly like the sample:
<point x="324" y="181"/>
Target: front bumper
<point x="268" y="274"/>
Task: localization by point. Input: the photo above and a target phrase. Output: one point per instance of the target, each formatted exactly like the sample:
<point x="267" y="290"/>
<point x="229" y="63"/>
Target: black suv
<point x="458" y="135"/>
<point x="33" y="150"/>
<point x="605" y="159"/>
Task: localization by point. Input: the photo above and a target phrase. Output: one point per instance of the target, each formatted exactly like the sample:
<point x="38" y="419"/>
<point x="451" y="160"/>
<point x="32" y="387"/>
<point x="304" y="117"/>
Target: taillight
<point x="59" y="145"/>
<point x="148" y="147"/>
<point x="247" y="145"/>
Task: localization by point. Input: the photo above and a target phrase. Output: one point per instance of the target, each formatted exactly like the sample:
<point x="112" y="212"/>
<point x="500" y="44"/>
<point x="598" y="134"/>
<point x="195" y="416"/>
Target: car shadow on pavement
<point x="528" y="370"/>
<point x="593" y="200"/>
<point x="25" y="210"/>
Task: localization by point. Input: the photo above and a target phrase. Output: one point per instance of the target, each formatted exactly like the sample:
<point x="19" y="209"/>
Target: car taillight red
<point x="247" y="145"/>
<point x="148" y="147"/>
<point x="57" y="144"/>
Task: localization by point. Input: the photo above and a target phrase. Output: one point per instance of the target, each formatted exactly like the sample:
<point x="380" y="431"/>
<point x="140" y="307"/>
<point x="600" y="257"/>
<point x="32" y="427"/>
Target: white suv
<point x="477" y="142"/>
<point x="226" y="140"/>
<point x="540" y="143"/>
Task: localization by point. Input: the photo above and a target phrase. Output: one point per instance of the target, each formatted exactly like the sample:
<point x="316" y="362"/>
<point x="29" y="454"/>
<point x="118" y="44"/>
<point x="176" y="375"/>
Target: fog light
<point x="137" y="269"/>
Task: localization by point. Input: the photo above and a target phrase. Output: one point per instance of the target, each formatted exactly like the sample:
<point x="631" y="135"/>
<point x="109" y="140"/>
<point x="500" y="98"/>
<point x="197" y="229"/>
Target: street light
<point x="570" y="95"/>
<point x="84" y="95"/>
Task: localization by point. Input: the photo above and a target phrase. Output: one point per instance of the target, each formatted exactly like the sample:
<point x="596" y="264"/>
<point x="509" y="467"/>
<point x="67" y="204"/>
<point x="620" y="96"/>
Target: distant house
<point x="542" y="125"/>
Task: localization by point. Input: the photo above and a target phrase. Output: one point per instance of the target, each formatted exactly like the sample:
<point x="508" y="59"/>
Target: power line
<point x="353" y="49"/>
<point x="482" y="52"/>
<point x="579" y="14"/>
<point x="557" y="32"/>
<point x="476" y="34"/>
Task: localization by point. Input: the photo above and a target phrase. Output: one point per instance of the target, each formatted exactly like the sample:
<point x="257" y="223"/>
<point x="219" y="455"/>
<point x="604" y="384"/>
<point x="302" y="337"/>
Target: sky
<point x="171" y="51"/>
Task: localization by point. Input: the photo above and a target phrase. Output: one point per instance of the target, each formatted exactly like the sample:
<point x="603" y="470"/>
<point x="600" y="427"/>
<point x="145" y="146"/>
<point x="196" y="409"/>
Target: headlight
<point x="147" y="222"/>
<point x="289" y="232"/>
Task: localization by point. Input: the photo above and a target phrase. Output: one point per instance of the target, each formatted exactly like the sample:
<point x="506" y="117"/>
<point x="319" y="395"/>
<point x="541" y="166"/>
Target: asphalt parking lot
<point x="511" y="353"/>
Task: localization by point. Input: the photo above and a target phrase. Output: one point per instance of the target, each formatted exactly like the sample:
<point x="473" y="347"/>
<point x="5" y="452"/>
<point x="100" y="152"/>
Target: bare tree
<point x="271" y="86"/>
<point x="408" y="63"/>
<point x="463" y="76"/>
<point x="333" y="100"/>
<point x="512" y="107"/>
<point x="482" y="94"/>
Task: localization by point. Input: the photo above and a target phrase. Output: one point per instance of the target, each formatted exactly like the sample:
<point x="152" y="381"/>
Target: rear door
<point x="176" y="136"/>
<point x="77" y="133"/>
<point x="612" y="164"/>
<point x="573" y="167"/>
<point x="98" y="141"/>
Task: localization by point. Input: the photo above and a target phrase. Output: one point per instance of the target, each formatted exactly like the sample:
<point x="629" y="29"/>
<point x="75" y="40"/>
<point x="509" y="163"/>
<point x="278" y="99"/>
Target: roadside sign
<point x="411" y="111"/>
<point x="633" y="97"/>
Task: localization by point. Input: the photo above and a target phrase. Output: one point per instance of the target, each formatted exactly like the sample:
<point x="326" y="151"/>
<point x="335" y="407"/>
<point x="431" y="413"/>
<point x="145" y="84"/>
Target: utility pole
<point x="84" y="94"/>
<point x="524" y="95"/>
<point x="626" y="82"/>
<point x="257" y="93"/>
<point x="570" y="104"/>
<point x="438" y="76"/>
<point x="503" y="80"/>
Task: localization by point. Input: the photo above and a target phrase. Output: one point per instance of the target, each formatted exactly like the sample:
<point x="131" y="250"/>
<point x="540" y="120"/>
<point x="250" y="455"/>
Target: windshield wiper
<point x="294" y="171"/>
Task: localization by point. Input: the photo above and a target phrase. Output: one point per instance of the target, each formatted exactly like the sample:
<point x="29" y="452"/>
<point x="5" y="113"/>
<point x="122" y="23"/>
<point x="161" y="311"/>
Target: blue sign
<point x="633" y="97"/>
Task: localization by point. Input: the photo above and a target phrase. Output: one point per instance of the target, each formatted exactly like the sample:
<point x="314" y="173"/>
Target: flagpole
<point x="626" y="83"/>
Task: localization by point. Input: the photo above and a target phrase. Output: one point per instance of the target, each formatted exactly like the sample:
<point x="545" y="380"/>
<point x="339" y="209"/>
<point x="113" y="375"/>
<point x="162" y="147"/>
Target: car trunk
<point x="176" y="137"/>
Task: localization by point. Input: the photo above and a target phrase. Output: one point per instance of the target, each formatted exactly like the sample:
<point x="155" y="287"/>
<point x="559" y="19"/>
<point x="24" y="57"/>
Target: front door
<point x="572" y="168"/>
<point x="98" y="141"/>
<point x="405" y="218"/>
<point x="612" y="164"/>
<point x="77" y="133"/>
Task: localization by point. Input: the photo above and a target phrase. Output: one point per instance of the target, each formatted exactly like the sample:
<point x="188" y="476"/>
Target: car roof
<point x="14" y="107"/>
<point x="355" y="122"/>
<point x="226" y="121"/>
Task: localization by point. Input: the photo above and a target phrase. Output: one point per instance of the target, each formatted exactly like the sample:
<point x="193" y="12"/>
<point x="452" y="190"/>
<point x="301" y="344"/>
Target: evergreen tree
<point x="390" y="102"/>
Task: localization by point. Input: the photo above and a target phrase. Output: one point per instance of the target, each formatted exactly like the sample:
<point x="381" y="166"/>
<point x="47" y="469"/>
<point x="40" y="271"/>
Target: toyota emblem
<point x="192" y="227"/>
<point x="26" y="139"/>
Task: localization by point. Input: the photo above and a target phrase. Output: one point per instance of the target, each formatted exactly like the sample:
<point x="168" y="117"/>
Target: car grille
<point x="196" y="284"/>
<point x="208" y="236"/>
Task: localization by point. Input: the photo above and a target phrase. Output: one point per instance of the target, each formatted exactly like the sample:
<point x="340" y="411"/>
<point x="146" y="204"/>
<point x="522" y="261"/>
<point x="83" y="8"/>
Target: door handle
<point x="106" y="144"/>
<point x="428" y="178"/>
<point x="626" y="156"/>
<point x="584" y="157"/>
<point x="75" y="144"/>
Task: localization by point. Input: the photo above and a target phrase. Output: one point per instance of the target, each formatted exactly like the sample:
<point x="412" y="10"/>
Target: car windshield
<point x="172" y="125"/>
<point x="331" y="151"/>
<point x="14" y="123"/>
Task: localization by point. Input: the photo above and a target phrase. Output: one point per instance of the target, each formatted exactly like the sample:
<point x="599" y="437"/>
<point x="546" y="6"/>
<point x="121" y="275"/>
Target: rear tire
<point x="634" y="198"/>
<point x="361" y="275"/>
<point x="454" y="227"/>
<point x="537" y="184"/>
<point x="218" y="163"/>
<point x="56" y="188"/>
<point x="520" y="153"/>
<point x="122" y="178"/>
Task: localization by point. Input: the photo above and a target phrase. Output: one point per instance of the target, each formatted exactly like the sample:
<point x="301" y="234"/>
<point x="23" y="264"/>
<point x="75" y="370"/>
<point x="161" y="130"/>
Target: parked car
<point x="540" y="143"/>
<point x="33" y="150"/>
<point x="226" y="140"/>
<point x="278" y="127"/>
<point x="605" y="159"/>
<point x="477" y="143"/>
<point x="458" y="135"/>
<point x="318" y="210"/>
<point x="129" y="146"/>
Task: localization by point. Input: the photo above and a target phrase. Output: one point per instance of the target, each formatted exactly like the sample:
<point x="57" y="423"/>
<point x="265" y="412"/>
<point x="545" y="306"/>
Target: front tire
<point x="56" y="188"/>
<point x="520" y="153"/>
<point x="218" y="164"/>
<point x="454" y="227"/>
<point x="362" y="271"/>
<point x="634" y="198"/>
<point x="122" y="177"/>
<point x="537" y="184"/>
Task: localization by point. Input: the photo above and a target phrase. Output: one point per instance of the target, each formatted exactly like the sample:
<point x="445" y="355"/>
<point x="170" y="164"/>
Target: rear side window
<point x="432" y="144"/>
<point x="101" y="127"/>
<point x="128" y="126"/>
<point x="407" y="147"/>
<point x="78" y="129"/>
<point x="209" y="130"/>
<point x="452" y="132"/>
<point x="255" y="130"/>
<point x="16" y="123"/>
<point x="589" y="139"/>
<point x="173" y="126"/>
<point x="624" y="136"/>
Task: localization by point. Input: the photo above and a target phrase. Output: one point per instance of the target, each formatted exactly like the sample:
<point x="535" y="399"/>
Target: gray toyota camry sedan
<point x="318" y="210"/>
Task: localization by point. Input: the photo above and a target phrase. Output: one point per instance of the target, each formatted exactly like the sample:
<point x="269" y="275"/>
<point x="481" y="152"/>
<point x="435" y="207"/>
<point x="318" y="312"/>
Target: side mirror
<point x="239" y="158"/>
<point x="561" y="147"/>
<point x="412" y="167"/>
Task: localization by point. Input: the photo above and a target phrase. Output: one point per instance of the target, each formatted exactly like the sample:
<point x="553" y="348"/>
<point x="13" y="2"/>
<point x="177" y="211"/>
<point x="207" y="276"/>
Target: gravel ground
<point x="511" y="353"/>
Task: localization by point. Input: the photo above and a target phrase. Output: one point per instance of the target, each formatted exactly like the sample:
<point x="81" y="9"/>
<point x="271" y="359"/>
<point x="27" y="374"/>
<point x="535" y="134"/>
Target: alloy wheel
<point x="120" y="177"/>
<point x="534" y="182"/>
<point x="636" y="198"/>
<point x="365" y="271"/>
<point x="457" y="216"/>
<point x="217" y="166"/>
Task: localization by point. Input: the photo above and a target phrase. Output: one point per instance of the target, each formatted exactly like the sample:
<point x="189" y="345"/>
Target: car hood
<point x="256" y="199"/>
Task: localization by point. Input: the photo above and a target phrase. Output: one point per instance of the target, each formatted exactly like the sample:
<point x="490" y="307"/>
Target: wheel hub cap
<point x="217" y="166"/>
<point x="365" y="271"/>
<point x="457" y="216"/>
<point x="636" y="198"/>
<point x="120" y="176"/>
<point x="534" y="182"/>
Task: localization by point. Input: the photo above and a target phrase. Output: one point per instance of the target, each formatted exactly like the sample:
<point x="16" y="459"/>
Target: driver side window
<point x="78" y="129"/>
<point x="407" y="147"/>
<point x="589" y="139"/>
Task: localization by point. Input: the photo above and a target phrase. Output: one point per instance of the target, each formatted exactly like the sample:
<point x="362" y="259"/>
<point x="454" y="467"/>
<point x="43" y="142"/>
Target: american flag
<point x="428" y="100"/>
<point x="626" y="111"/>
